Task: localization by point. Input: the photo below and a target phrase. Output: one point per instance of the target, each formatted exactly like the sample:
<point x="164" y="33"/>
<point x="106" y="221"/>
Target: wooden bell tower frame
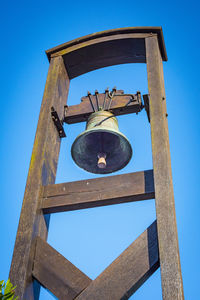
<point x="34" y="261"/>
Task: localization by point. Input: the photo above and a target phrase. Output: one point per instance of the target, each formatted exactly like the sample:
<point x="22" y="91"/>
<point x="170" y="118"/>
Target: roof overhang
<point x="107" y="48"/>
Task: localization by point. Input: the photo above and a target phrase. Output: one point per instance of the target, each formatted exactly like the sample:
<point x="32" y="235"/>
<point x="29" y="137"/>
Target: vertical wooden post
<point x="172" y="287"/>
<point x="42" y="171"/>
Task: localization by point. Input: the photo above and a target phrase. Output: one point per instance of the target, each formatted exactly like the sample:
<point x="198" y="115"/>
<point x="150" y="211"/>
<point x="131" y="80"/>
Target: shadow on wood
<point x="98" y="192"/>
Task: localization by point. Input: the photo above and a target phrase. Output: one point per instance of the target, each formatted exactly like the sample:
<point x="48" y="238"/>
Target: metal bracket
<point x="58" y="123"/>
<point x="146" y="105"/>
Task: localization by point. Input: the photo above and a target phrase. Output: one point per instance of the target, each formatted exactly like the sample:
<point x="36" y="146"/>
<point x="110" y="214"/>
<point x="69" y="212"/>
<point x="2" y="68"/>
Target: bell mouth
<point x="89" y="144"/>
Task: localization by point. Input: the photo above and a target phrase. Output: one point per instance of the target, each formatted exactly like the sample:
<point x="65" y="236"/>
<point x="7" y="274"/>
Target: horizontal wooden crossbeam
<point x="98" y="192"/>
<point x="80" y="112"/>
<point x="56" y="273"/>
<point x="128" y="272"/>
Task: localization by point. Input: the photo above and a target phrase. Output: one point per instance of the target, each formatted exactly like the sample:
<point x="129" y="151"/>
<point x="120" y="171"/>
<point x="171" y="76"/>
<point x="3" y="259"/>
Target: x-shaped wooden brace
<point x="129" y="271"/>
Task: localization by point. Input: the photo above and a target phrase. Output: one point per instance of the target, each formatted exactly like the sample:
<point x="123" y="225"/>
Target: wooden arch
<point x="106" y="48"/>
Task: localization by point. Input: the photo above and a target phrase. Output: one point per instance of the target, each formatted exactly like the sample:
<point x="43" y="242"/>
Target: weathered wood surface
<point x="172" y="287"/>
<point x="103" y="54"/>
<point x="128" y="272"/>
<point x="98" y="192"/>
<point x="57" y="274"/>
<point x="100" y="40"/>
<point x="111" y="33"/>
<point x="80" y="112"/>
<point x="42" y="171"/>
<point x="107" y="48"/>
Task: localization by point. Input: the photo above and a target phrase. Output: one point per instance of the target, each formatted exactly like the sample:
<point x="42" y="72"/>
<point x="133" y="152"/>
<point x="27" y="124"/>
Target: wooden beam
<point x="106" y="48"/>
<point x="42" y="171"/>
<point x="128" y="272"/>
<point x="172" y="287"/>
<point x="98" y="192"/>
<point x="101" y="40"/>
<point x="81" y="112"/>
<point x="56" y="273"/>
<point x="115" y="46"/>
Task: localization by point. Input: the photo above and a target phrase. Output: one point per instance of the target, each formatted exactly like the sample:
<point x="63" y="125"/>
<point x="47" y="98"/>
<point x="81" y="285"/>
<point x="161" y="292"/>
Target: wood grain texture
<point x="172" y="287"/>
<point x="128" y="272"/>
<point x="42" y="171"/>
<point x="98" y="192"/>
<point x="57" y="274"/>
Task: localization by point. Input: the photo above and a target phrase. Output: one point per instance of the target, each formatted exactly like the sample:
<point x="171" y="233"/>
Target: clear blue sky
<point x="92" y="239"/>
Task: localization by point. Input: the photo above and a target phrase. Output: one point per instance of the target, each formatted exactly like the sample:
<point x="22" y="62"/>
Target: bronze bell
<point x="101" y="148"/>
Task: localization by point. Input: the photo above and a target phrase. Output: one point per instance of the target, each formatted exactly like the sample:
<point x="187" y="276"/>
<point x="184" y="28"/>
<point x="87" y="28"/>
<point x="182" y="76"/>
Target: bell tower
<point x="34" y="261"/>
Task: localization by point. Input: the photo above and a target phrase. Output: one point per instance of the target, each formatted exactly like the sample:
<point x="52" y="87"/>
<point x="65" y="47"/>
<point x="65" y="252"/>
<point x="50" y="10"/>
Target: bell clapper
<point x="101" y="160"/>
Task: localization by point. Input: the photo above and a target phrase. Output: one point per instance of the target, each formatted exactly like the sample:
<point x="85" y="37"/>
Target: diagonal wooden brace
<point x="128" y="272"/>
<point x="56" y="273"/>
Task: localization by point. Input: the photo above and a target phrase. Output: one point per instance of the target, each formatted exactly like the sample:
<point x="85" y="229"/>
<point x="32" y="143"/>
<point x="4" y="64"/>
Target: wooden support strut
<point x="98" y="192"/>
<point x="128" y="272"/>
<point x="42" y="171"/>
<point x="172" y="286"/>
<point x="56" y="273"/>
